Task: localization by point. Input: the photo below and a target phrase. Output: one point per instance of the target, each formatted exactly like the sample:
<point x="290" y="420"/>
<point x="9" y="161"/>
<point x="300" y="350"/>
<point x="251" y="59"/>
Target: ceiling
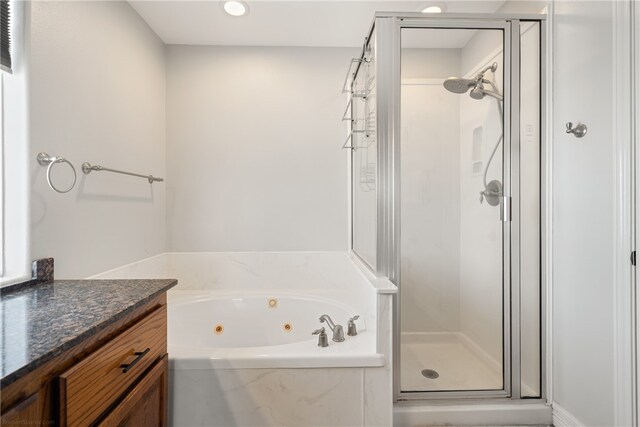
<point x="331" y="23"/>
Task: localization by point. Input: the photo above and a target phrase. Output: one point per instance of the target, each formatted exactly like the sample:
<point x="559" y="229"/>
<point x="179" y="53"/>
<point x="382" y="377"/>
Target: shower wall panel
<point x="431" y="197"/>
<point x="432" y="204"/>
<point x="481" y="312"/>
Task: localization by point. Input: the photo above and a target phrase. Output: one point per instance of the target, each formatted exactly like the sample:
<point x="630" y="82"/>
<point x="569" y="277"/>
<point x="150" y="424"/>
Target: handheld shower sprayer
<point x="476" y="84"/>
<point x="492" y="190"/>
<point x="493" y="67"/>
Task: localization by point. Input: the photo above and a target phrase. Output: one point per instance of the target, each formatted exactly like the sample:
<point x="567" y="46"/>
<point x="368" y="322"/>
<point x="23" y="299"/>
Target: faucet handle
<point x="323" y="341"/>
<point x="352" y="331"/>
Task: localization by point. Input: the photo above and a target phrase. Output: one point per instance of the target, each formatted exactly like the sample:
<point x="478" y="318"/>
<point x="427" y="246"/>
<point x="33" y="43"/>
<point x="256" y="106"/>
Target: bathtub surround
<point x="282" y="383"/>
<point x="96" y="94"/>
<point x="315" y="397"/>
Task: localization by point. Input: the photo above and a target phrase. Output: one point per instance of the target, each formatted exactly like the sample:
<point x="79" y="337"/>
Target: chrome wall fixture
<point x="579" y="131"/>
<point x="346" y="86"/>
<point x="88" y="167"/>
<point x="46" y="160"/>
<point x="348" y="143"/>
<point x="362" y="93"/>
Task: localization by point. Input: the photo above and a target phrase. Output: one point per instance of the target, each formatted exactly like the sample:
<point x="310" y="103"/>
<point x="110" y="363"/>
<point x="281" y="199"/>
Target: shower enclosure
<point x="446" y="160"/>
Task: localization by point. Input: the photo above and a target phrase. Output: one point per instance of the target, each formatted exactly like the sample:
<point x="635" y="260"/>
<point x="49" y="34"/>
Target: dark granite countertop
<point x="40" y="321"/>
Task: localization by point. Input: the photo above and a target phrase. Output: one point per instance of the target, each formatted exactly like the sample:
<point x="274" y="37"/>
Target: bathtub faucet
<point x="338" y="332"/>
<point x="322" y="337"/>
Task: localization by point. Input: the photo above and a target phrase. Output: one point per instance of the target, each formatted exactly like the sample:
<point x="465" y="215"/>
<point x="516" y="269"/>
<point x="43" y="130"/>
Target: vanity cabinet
<point x="24" y="413"/>
<point x="146" y="404"/>
<point x="116" y="377"/>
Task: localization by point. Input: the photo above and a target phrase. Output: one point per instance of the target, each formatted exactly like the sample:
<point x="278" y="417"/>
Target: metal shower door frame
<point x="387" y="28"/>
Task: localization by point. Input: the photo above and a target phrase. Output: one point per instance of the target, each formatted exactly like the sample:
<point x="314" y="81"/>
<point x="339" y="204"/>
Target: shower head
<point x="478" y="91"/>
<point x="456" y="85"/>
<point x="459" y="85"/>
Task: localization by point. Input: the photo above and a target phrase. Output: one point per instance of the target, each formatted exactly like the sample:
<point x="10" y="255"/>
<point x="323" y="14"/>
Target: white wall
<point x="97" y="95"/>
<point x="253" y="158"/>
<point x="428" y="63"/>
<point x="583" y="212"/>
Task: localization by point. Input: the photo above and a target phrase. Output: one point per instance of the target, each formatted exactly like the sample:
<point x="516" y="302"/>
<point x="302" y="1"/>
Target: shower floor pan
<point x="459" y="366"/>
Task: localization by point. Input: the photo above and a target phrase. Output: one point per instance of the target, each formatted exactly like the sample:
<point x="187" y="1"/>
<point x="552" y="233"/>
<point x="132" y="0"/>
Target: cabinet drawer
<point x="92" y="385"/>
<point x="146" y="404"/>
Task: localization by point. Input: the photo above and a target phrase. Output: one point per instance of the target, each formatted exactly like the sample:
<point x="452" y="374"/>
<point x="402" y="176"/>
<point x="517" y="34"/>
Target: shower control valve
<point x="492" y="193"/>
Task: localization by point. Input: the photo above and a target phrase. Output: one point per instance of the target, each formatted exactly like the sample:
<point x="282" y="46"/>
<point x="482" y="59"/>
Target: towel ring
<point x="44" y="159"/>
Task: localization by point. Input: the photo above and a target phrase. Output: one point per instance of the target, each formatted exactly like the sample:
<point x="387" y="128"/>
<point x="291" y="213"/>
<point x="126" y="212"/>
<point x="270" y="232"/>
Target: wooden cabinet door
<point x="146" y="404"/>
<point x="91" y="386"/>
<point x="24" y="413"/>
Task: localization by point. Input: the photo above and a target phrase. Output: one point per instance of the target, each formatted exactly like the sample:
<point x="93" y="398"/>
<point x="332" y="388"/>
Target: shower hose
<point x="495" y="148"/>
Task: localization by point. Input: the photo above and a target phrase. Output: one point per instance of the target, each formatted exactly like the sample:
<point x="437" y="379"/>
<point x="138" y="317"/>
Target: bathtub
<point x="262" y="330"/>
<point x="240" y="345"/>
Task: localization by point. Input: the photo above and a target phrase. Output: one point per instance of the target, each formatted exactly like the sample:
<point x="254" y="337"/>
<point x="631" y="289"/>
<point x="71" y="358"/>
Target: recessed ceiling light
<point x="235" y="7"/>
<point x="434" y="7"/>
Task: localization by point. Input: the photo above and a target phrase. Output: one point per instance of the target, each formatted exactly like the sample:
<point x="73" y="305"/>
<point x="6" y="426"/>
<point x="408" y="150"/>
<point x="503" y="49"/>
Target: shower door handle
<point x="505" y="208"/>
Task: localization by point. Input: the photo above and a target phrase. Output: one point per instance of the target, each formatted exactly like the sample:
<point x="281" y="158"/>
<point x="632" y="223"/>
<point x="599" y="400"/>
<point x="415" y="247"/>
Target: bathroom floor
<point x="458" y="366"/>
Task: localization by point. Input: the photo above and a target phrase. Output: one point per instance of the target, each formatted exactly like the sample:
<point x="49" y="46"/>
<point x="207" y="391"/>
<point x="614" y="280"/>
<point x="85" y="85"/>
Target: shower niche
<point x="451" y="212"/>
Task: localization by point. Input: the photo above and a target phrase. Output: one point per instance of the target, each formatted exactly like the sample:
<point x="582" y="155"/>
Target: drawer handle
<point x="140" y="355"/>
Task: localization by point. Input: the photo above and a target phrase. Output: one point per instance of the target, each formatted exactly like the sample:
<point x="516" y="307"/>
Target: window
<point x="2" y="247"/>
<point x="5" y="36"/>
<point x="14" y="149"/>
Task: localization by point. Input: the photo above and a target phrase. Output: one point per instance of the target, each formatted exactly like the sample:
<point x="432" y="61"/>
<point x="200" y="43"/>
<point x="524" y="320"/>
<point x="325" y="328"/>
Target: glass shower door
<point x="454" y="245"/>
